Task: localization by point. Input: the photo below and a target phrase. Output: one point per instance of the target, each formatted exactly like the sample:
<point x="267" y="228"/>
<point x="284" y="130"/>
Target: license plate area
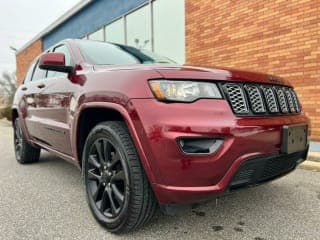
<point x="294" y="138"/>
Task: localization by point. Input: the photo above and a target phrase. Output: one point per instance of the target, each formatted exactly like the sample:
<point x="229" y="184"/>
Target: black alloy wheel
<point x="17" y="139"/>
<point x="118" y="191"/>
<point x="107" y="178"/>
<point x="24" y="152"/>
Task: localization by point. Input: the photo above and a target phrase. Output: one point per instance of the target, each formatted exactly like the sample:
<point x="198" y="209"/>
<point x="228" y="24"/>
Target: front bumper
<point x="180" y="178"/>
<point x="265" y="168"/>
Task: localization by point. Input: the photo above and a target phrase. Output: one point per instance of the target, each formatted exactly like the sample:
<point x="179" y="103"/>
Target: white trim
<point x="56" y="23"/>
<point x="151" y="25"/>
<point x="125" y="29"/>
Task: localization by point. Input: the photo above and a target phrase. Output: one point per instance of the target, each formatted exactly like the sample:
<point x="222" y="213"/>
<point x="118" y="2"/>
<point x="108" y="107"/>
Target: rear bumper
<point x="180" y="178"/>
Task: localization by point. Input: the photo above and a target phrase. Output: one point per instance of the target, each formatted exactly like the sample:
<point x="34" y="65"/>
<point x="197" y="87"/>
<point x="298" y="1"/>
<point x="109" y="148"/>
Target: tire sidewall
<point x="107" y="132"/>
<point x="17" y="125"/>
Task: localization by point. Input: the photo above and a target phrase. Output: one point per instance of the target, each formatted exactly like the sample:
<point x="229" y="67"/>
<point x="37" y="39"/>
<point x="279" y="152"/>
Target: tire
<point x="118" y="191"/>
<point x="24" y="152"/>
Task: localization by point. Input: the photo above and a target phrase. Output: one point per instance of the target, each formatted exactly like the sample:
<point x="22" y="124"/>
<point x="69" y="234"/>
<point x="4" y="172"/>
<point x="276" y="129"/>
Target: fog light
<point x="199" y="145"/>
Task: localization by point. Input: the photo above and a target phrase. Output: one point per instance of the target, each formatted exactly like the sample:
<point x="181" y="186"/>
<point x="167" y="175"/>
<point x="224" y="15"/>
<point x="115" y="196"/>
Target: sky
<point x="21" y="20"/>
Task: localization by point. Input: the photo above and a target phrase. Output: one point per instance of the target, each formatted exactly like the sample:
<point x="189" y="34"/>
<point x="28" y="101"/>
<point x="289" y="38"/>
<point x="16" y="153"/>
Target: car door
<point x="26" y="105"/>
<point x="31" y="89"/>
<point x="54" y="100"/>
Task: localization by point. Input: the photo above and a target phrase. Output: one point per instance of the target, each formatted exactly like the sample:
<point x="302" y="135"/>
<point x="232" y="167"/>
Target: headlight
<point x="183" y="91"/>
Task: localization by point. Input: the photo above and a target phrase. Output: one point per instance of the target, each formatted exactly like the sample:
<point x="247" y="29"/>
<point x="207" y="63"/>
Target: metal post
<point x="151" y="23"/>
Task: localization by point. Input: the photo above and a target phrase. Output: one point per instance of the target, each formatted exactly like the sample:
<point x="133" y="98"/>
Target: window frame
<point x="32" y="67"/>
<point x="34" y="70"/>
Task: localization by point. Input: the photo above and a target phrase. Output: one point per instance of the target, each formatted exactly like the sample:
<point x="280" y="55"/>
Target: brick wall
<point x="25" y="58"/>
<point x="280" y="37"/>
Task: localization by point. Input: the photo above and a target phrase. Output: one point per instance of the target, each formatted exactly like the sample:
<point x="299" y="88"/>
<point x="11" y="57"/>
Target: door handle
<point x="42" y="85"/>
<point x="24" y="88"/>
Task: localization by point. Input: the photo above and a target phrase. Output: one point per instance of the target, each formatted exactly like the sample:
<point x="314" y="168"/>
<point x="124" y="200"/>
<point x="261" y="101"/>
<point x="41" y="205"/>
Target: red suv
<point x="147" y="132"/>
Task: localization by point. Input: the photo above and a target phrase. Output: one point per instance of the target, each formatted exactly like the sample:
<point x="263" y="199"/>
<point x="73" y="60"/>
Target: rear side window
<point x="39" y="74"/>
<point x="29" y="73"/>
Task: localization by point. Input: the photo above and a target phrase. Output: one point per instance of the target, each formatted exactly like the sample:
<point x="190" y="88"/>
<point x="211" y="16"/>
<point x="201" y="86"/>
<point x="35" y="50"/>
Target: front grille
<point x="265" y="168"/>
<point x="255" y="99"/>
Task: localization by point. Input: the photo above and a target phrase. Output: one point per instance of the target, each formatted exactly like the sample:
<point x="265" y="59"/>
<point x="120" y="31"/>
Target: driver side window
<point x="38" y="74"/>
<point x="29" y="74"/>
<point x="61" y="49"/>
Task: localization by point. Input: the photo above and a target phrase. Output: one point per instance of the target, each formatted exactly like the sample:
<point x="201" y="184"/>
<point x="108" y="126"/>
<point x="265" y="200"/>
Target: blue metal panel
<point x="90" y="18"/>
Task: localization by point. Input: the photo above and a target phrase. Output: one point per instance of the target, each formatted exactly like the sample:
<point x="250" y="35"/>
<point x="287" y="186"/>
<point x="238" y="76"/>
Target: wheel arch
<point x="14" y="115"/>
<point x="100" y="112"/>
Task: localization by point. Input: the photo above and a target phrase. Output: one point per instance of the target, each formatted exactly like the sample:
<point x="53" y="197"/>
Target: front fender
<point x="133" y="132"/>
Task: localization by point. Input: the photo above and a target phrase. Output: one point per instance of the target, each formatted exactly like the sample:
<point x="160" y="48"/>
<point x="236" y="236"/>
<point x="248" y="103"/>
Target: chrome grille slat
<point x="282" y="100"/>
<point x="270" y="99"/>
<point x="255" y="99"/>
<point x="295" y="100"/>
<point x="261" y="99"/>
<point x="236" y="98"/>
<point x="290" y="100"/>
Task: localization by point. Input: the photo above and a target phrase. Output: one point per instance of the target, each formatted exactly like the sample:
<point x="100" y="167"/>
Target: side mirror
<point x="54" y="62"/>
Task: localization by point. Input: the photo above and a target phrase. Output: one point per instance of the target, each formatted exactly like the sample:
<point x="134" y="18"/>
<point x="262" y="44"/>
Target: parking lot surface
<point x="46" y="200"/>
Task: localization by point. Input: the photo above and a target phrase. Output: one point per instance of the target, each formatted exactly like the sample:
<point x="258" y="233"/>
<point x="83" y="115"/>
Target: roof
<point x="56" y="23"/>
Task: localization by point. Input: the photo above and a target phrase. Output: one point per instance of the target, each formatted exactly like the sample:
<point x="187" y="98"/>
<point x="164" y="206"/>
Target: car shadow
<point x="230" y="214"/>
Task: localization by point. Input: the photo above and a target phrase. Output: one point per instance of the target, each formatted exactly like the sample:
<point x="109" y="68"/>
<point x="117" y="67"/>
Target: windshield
<point x="102" y="53"/>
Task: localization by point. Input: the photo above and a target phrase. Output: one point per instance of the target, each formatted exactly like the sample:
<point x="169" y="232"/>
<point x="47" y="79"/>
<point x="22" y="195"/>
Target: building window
<point x="169" y="29"/>
<point x="166" y="36"/>
<point x="115" y="32"/>
<point x="98" y="35"/>
<point x="139" y="28"/>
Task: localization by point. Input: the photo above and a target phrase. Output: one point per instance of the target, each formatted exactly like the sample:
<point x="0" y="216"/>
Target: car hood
<point x="170" y="71"/>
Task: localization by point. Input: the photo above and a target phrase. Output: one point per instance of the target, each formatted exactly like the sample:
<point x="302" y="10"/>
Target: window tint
<point x="105" y="53"/>
<point x="29" y="73"/>
<point x="61" y="49"/>
<point x="115" y="54"/>
<point x="38" y="74"/>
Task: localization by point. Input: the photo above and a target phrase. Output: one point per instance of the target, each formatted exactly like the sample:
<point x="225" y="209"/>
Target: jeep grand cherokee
<point x="147" y="132"/>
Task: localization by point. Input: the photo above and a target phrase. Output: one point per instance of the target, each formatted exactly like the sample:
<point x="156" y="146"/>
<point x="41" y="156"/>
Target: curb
<point x="310" y="165"/>
<point x="5" y="122"/>
<point x="314" y="156"/>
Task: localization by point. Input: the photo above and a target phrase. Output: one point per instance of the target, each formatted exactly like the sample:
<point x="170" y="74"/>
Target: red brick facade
<point x="280" y="37"/>
<point x="25" y="58"/>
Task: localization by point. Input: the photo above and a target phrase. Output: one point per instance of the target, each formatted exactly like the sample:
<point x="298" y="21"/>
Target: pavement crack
<point x="217" y="228"/>
<point x="199" y="213"/>
<point x="241" y="223"/>
<point x="238" y="229"/>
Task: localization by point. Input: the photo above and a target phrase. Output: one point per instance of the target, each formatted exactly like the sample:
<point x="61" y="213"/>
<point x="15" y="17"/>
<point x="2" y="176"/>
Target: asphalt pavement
<point x="46" y="200"/>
